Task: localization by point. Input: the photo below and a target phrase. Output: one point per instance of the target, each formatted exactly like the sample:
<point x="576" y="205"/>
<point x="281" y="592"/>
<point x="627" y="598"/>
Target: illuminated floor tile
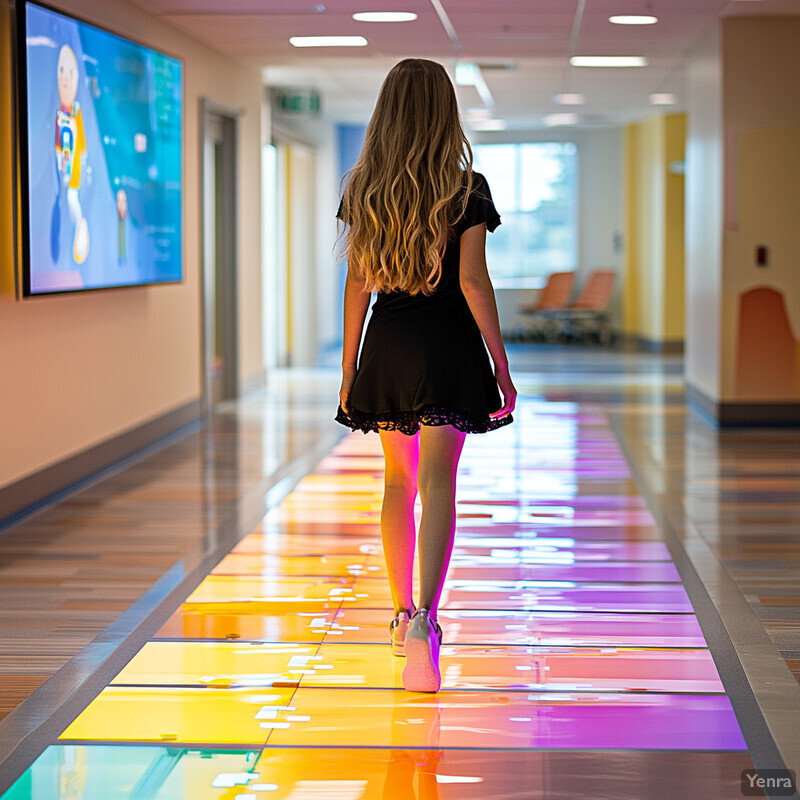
<point x="268" y="625"/>
<point x="497" y="775"/>
<point x="565" y="628"/>
<point x="291" y="566"/>
<point x="533" y="595"/>
<point x="493" y="568"/>
<point x="328" y="516"/>
<point x="559" y="547"/>
<point x="399" y="719"/>
<point x="538" y="595"/>
<point x="322" y="527"/>
<point x="369" y="626"/>
<point x="505" y="515"/>
<point x="181" y="716"/>
<point x="475" y="527"/>
<point x="299" y="544"/>
<point x="370" y="666"/>
<point x="220" y="664"/>
<point x="520" y="668"/>
<point x="249" y="594"/>
<point x="102" y="772"/>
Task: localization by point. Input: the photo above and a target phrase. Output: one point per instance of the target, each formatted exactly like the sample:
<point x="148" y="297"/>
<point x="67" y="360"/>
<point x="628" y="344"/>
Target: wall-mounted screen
<point x="100" y="156"/>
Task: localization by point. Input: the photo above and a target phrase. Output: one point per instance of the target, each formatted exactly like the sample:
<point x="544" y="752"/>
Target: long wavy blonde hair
<point x="410" y="183"/>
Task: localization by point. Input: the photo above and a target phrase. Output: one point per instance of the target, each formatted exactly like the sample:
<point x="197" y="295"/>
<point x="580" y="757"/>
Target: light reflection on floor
<point x="572" y="664"/>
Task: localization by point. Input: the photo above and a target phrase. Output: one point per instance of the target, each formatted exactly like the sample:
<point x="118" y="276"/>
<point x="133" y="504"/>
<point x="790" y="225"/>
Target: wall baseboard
<point x="28" y="494"/>
<point x="668" y="347"/>
<point x="755" y="415"/>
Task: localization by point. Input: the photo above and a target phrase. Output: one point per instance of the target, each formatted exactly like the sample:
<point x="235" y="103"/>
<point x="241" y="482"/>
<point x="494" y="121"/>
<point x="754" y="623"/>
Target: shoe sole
<point x="398" y="649"/>
<point x="420" y="673"/>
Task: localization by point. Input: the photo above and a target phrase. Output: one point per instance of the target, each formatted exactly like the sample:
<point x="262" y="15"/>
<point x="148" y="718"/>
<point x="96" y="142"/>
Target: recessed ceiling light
<point x="608" y="61"/>
<point x="477" y="113"/>
<point x="467" y="74"/>
<point x="570" y="99"/>
<point x="327" y="41"/>
<point x="633" y="19"/>
<point x="488" y="125"/>
<point x="662" y="99"/>
<point x="552" y="120"/>
<point x="385" y="16"/>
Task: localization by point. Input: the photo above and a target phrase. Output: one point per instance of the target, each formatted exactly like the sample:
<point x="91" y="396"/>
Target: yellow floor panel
<point x="220" y="664"/>
<point x="221" y="716"/>
<point x="246" y="594"/>
<point x="344" y="566"/>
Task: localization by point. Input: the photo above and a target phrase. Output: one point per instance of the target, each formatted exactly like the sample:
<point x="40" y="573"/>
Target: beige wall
<point x="760" y="91"/>
<point x="743" y="190"/>
<point x="79" y="369"/>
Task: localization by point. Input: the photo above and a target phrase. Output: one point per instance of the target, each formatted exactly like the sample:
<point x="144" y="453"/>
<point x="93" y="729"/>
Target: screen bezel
<point x="19" y="23"/>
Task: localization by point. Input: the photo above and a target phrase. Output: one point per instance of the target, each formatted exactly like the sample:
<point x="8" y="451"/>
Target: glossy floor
<point x="572" y="655"/>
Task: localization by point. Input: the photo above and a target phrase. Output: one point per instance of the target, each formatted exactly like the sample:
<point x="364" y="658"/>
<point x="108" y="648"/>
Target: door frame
<point x="208" y="280"/>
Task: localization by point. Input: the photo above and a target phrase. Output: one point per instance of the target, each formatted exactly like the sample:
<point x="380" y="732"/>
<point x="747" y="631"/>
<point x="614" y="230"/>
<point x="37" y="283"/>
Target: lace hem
<point x="408" y="422"/>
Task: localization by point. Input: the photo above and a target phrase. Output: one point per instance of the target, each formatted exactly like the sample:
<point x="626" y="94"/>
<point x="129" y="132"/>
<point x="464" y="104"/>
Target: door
<point x="220" y="346"/>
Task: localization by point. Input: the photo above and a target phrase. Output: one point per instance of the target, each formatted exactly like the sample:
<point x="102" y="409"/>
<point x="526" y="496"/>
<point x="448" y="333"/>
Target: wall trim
<point x="29" y="494"/>
<point x="756" y="415"/>
<point x="641" y="344"/>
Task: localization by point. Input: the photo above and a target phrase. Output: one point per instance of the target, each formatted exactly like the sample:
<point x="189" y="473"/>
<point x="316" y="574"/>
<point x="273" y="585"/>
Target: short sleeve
<point x="480" y="206"/>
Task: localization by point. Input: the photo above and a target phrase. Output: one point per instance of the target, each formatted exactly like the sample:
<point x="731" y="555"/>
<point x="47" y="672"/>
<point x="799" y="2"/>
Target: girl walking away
<point x="417" y="217"/>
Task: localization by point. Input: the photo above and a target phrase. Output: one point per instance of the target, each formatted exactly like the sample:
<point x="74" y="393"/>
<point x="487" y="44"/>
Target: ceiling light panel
<point x="633" y="19"/>
<point x="328" y="41"/>
<point x="555" y="120"/>
<point x="385" y="16"/>
<point x="608" y="61"/>
<point x="488" y="125"/>
<point x="570" y="99"/>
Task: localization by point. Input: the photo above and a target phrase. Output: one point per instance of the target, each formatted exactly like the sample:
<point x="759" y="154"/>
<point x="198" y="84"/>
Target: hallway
<point x="593" y="644"/>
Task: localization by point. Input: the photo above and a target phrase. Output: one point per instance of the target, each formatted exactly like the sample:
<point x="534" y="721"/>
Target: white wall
<point x="600" y="208"/>
<point x="704" y="211"/>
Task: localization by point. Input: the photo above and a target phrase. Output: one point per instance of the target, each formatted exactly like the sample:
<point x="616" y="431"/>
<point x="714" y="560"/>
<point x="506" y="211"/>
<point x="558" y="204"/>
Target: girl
<point x="417" y="218"/>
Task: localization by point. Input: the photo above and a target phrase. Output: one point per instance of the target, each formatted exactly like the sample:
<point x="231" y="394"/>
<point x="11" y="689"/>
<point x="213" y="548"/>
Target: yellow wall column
<point x="653" y="293"/>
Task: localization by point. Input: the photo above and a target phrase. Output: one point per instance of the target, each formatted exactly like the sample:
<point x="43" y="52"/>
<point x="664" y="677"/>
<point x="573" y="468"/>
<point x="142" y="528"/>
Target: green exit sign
<point x="299" y="101"/>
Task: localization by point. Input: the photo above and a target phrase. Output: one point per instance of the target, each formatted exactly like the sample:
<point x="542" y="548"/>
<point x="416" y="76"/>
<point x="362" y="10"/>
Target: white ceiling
<point x="522" y="46"/>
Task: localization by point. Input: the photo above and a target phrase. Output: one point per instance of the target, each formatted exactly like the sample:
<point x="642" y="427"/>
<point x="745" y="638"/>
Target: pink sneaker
<point x="422" y="643"/>
<point x="397" y="630"/>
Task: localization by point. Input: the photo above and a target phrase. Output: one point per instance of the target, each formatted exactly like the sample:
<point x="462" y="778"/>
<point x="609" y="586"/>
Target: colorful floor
<point x="572" y="659"/>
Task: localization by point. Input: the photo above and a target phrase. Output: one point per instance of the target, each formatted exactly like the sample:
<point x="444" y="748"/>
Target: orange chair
<point x="588" y="315"/>
<point x="596" y="292"/>
<point x="554" y="296"/>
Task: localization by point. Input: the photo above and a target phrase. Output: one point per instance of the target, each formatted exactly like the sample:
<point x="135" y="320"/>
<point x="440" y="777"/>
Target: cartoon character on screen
<point x="122" y="212"/>
<point x="71" y="147"/>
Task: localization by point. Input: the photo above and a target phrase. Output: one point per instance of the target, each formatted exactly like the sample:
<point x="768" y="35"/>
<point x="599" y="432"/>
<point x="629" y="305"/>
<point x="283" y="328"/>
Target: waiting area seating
<point x="554" y="318"/>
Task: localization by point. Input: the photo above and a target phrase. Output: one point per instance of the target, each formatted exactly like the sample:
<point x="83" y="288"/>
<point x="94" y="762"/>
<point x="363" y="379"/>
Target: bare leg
<point x="401" y="454"/>
<point x="439" y="451"/>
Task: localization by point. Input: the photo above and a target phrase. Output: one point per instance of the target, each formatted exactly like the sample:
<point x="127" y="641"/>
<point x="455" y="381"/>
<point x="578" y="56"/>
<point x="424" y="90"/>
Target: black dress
<point x="423" y="360"/>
